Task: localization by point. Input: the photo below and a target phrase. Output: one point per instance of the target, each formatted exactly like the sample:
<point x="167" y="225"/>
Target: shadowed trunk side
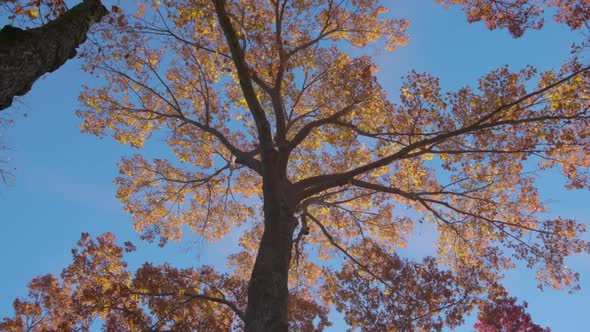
<point x="268" y="291"/>
<point x="25" y="55"/>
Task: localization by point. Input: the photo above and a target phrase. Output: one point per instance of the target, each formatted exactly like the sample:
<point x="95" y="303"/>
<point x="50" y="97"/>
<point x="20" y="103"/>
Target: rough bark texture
<point x="25" y="55"/>
<point x="268" y="292"/>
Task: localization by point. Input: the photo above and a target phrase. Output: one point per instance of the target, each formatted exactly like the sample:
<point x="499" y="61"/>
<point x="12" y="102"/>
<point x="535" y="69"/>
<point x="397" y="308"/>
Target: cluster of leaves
<point x="398" y="294"/>
<point x="23" y="11"/>
<point x="504" y="314"/>
<point x="519" y="15"/>
<point x="97" y="285"/>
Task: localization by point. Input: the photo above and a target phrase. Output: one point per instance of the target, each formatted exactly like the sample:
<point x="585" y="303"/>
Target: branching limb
<point x="351" y="257"/>
<point x="192" y="295"/>
<point x="242" y="157"/>
<point x="239" y="59"/>
<point x="306" y="130"/>
<point x="316" y="184"/>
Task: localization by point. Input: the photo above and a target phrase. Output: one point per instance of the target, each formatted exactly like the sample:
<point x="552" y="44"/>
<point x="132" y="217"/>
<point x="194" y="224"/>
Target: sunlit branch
<point x="425" y="200"/>
<point x="481" y="217"/>
<point x="168" y="314"/>
<point x="439" y="309"/>
<point x="324" y="32"/>
<point x="339" y="247"/>
<point x="302" y="206"/>
<point x="241" y="156"/>
<point x="530" y="95"/>
<point x="313" y="185"/>
<point x="203" y="88"/>
<point x="192" y="181"/>
<point x="306" y="130"/>
<point x="557" y="160"/>
<point x="123" y="309"/>
<point x="239" y="59"/>
<point x="488" y="151"/>
<point x="151" y="28"/>
<point x="224" y="301"/>
<point x="306" y="84"/>
<point x="357" y="220"/>
<point x="351" y="199"/>
<point x="192" y="295"/>
<point x="302" y="116"/>
<point x="409" y="196"/>
<point x="141" y="84"/>
<point x="347" y="254"/>
<point x="31" y="323"/>
<point x="467" y="178"/>
<point x="380" y="188"/>
<point x="379" y="135"/>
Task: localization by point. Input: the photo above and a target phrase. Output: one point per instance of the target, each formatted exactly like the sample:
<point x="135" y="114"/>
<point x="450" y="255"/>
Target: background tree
<point x="26" y="55"/>
<point x="505" y="315"/>
<point x="273" y="126"/>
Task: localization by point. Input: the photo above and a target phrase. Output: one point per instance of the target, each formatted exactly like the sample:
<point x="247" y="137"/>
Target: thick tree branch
<point x="277" y="100"/>
<point x="313" y="185"/>
<point x="239" y="59"/>
<point x="25" y="55"/>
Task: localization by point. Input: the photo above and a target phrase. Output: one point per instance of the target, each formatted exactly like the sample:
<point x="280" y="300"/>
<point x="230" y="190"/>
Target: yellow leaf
<point x="32" y="13"/>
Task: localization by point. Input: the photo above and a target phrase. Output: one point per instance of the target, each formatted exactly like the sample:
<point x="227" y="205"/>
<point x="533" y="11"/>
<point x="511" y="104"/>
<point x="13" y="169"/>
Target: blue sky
<point x="63" y="179"/>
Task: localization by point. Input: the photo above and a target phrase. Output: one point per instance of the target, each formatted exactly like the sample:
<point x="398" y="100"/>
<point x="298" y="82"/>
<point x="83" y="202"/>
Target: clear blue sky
<point x="63" y="179"/>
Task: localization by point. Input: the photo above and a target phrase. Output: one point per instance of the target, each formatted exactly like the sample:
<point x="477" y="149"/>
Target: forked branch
<point x="239" y="60"/>
<point x="313" y="185"/>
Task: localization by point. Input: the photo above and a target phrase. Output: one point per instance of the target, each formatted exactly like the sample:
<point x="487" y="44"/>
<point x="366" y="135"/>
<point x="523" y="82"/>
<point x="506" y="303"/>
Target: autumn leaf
<point x="32" y="13"/>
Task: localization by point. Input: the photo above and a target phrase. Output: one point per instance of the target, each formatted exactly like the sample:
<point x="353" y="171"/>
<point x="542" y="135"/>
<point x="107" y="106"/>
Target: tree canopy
<point x="276" y="130"/>
<point x="505" y="315"/>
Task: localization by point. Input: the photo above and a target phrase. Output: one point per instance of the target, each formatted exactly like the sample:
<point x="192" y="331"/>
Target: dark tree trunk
<point x="268" y="292"/>
<point x="25" y="55"/>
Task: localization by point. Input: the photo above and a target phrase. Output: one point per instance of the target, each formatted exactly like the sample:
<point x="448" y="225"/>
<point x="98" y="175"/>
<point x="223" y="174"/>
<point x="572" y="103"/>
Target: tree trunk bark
<point x="25" y="55"/>
<point x="268" y="291"/>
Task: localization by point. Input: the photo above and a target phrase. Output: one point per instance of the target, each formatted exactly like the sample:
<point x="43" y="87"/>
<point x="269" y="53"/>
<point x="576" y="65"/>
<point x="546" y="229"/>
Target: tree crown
<point x="238" y="87"/>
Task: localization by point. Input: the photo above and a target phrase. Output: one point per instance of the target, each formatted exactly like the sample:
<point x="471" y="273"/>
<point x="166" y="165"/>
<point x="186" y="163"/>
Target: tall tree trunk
<point x="25" y="55"/>
<point x="268" y="291"/>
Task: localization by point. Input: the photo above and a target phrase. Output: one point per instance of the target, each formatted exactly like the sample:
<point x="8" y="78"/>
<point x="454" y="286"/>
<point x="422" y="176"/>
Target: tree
<point x="26" y="55"/>
<point x="505" y="315"/>
<point x="278" y="132"/>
